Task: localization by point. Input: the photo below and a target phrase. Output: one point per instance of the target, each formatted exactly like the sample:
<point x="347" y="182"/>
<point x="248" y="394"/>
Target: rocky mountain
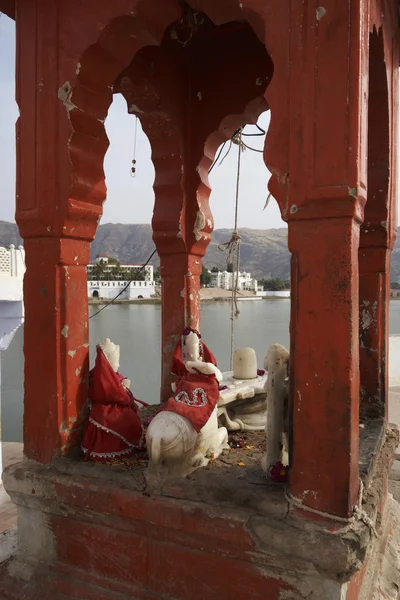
<point x="9" y="234"/>
<point x="263" y="251"/>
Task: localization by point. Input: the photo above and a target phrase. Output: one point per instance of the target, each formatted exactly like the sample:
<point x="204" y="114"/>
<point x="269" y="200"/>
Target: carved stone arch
<point x="376" y="213"/>
<point x="89" y="99"/>
<point x="145" y="100"/>
<point x="376" y="239"/>
<point x="151" y="89"/>
<point x="269" y="23"/>
<point x="227" y="128"/>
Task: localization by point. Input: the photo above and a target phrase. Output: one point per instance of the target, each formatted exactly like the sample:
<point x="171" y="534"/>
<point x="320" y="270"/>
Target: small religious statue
<point x="184" y="434"/>
<point x="276" y="459"/>
<point x="113" y="429"/>
<point x="242" y="405"/>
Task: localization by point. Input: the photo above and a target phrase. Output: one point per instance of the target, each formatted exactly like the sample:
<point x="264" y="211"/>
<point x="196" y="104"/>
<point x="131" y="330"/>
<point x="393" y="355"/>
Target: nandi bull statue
<point x="184" y="434"/>
<point x="277" y="427"/>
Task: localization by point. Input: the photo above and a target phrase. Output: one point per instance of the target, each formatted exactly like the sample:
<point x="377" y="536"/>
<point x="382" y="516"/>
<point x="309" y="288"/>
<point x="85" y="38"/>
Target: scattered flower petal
<point x="279" y="473"/>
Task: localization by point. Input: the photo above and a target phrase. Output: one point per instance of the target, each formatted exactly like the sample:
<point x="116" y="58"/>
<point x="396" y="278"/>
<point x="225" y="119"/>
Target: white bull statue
<point x="185" y="435"/>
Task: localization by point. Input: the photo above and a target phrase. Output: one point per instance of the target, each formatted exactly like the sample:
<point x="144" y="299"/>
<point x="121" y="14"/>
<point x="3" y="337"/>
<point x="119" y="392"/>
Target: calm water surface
<point x="138" y="331"/>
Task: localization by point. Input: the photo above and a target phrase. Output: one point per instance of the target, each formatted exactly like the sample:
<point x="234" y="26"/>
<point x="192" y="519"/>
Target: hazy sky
<point x="130" y="200"/>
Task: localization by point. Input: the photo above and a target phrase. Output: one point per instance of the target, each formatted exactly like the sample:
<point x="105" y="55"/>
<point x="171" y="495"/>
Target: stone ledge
<point x="231" y="512"/>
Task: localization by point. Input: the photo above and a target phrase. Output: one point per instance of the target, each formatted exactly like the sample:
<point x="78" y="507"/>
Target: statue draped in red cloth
<point x="114" y="428"/>
<point x="197" y="386"/>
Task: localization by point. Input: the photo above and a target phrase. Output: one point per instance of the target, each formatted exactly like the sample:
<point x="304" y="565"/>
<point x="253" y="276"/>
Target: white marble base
<point x="243" y="405"/>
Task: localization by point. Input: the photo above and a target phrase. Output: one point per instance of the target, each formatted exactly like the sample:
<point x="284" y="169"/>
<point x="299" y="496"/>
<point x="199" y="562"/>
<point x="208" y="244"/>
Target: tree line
<point x="274" y="284"/>
<point x="100" y="272"/>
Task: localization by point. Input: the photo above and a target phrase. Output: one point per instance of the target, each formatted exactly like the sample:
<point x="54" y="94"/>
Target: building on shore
<point x="273" y="293"/>
<point x="12" y="269"/>
<point x="112" y="269"/>
<point x="107" y="278"/>
<point x="226" y="281"/>
<point x="109" y="289"/>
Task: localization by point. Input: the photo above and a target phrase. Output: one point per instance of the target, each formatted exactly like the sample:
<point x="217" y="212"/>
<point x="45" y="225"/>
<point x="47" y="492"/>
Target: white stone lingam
<point x="245" y="364"/>
<point x="242" y="404"/>
<point x="277" y="426"/>
<point x="174" y="447"/>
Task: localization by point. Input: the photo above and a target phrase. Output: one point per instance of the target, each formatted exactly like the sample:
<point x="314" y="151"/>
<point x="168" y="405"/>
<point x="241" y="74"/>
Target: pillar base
<point x="98" y="533"/>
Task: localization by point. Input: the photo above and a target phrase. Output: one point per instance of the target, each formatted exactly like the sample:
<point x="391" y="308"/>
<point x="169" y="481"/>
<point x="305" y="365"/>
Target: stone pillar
<point x="324" y="363"/>
<point x="378" y="231"/>
<point x="180" y="305"/>
<point x="374" y="326"/>
<point x="318" y="161"/>
<point x="55" y="345"/>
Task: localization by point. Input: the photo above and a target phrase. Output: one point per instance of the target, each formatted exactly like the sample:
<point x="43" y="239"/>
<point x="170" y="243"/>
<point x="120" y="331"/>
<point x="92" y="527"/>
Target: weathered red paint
<point x="55" y="344"/>
<point x="329" y="157"/>
<point x="198" y="576"/>
<point x="325" y="383"/>
<point x="185" y="122"/>
<point x="355" y="584"/>
<point x="378" y="231"/>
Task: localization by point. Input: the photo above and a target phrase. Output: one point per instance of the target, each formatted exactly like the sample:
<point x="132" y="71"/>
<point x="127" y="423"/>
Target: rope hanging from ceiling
<point x="232" y="247"/>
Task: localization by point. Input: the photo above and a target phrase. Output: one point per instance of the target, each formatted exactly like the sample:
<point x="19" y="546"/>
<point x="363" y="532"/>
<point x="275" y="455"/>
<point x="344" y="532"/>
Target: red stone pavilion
<point x="194" y="72"/>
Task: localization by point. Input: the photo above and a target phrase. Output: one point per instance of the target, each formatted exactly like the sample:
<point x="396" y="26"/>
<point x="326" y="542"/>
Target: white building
<point x="114" y="283"/>
<point x="226" y="281"/>
<point x="270" y="294"/>
<point x="12" y="270"/>
<point x="109" y="268"/>
<point x="109" y="289"/>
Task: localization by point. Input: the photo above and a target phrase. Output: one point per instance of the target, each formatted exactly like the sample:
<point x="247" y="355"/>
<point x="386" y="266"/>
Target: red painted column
<point x="374" y="328"/>
<point x="55" y="345"/>
<point x="376" y="241"/>
<point x="186" y="119"/>
<point x="56" y="225"/>
<point x="324" y="363"/>
<point x="317" y="157"/>
<point x="180" y="305"/>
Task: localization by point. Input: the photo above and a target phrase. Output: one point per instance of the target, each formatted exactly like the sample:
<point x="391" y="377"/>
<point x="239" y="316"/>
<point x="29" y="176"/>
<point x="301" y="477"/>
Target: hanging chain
<point x="133" y="168"/>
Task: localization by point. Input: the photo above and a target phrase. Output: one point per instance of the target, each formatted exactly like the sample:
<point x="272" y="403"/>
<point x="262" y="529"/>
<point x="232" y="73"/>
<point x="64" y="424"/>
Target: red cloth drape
<point x="196" y="394"/>
<point x="178" y="366"/>
<point x="114" y="427"/>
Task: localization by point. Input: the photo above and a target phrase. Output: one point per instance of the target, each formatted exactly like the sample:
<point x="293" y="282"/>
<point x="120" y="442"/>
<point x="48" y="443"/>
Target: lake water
<point x="138" y="331"/>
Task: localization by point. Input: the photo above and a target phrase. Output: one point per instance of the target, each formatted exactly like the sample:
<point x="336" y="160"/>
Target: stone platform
<point x="96" y="533"/>
<point x="12" y="453"/>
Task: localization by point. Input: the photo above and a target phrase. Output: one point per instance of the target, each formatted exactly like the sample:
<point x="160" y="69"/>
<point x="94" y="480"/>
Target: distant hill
<point x="263" y="251"/>
<point x="9" y="234"/>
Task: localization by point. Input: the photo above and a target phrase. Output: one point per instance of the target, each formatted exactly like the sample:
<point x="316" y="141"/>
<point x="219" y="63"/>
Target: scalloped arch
<point x="227" y="128"/>
<point x="143" y="99"/>
<point x="88" y="102"/>
<point x="100" y="65"/>
<point x="269" y="21"/>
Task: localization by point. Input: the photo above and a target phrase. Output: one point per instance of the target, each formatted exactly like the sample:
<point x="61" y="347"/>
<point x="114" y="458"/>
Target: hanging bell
<point x="133" y="168"/>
